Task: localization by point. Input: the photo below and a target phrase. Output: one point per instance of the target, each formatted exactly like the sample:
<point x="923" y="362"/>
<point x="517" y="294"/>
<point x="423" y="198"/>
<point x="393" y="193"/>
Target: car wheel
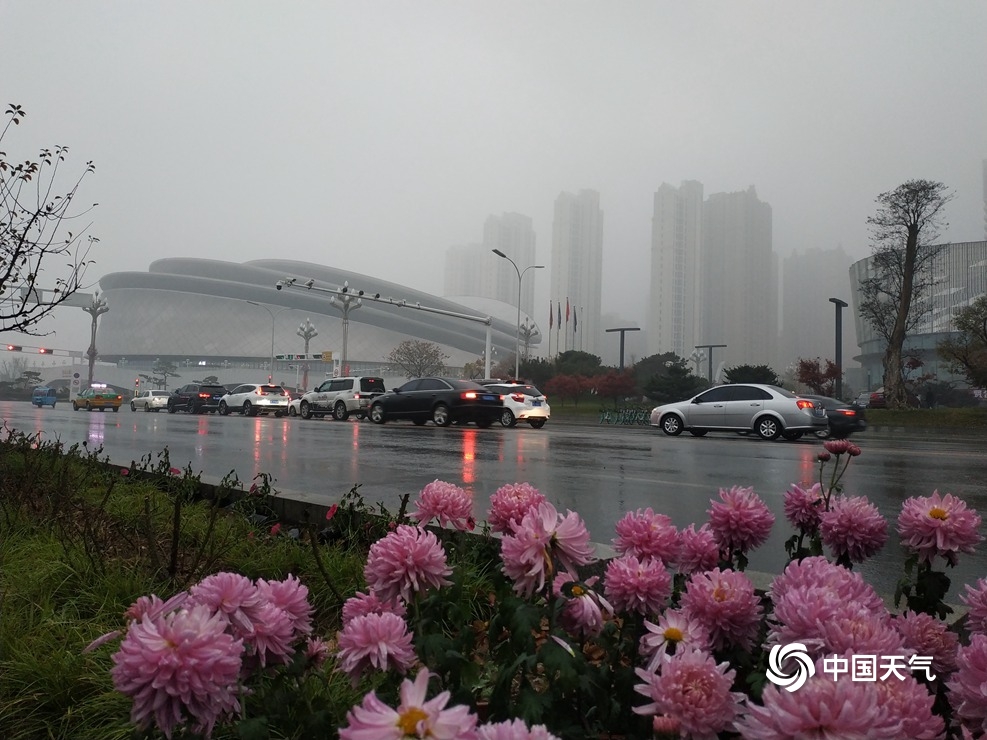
<point x="224" y="410"/>
<point x="536" y="423"/>
<point x="171" y="407"/>
<point x="133" y="406"/>
<point x="440" y="415"/>
<point x="88" y="407"/>
<point x="191" y="409"/>
<point x="671" y="425"/>
<point x="507" y="418"/>
<point x="698" y="432"/>
<point x="792" y="436"/>
<point x="484" y="423"/>
<point x="248" y="409"/>
<point x="339" y="412"/>
<point x="115" y="409"/>
<point x="278" y="414"/>
<point x="75" y="406"/>
<point x="291" y="411"/>
<point x="767" y="427"/>
<point x="377" y="414"/>
<point x="306" y="410"/>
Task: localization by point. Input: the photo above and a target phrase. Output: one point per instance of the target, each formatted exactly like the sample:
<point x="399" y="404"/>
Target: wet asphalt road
<point x="600" y="471"/>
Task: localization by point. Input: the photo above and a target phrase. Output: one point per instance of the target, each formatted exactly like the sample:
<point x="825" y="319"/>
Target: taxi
<point x="99" y="396"/>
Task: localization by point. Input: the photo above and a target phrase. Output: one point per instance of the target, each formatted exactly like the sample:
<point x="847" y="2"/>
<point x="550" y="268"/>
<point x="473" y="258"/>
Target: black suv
<point x="196" y="398"/>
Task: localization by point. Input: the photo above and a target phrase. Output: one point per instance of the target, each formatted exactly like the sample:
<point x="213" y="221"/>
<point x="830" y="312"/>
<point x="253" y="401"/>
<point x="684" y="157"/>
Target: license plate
<point x="536" y="403"/>
<point x="490" y="398"/>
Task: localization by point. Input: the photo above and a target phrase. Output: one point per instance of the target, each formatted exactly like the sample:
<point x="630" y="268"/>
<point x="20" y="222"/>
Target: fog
<point x="374" y="136"/>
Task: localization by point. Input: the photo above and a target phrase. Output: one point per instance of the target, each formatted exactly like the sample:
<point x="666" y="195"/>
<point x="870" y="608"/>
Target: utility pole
<point x="709" y="348"/>
<point x="623" y="330"/>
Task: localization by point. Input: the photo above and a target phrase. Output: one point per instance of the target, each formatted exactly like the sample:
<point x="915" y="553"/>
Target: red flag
<point x="549" y="314"/>
<point x="567" y="310"/>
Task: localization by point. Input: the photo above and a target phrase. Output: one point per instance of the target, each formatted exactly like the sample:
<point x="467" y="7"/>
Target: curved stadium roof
<point x="169" y="308"/>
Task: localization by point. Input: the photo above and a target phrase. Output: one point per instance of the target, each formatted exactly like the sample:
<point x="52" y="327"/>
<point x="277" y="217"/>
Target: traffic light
<point x="14" y="348"/>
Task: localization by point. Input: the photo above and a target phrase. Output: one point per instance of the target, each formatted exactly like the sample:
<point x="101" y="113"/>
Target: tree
<point x="417" y="358"/>
<point x="752" y="374"/>
<point x="32" y="236"/>
<point x="576" y="362"/>
<point x="615" y="384"/>
<point x="474" y="369"/>
<point x="819" y="380"/>
<point x="538" y="370"/>
<point x="903" y="235"/>
<point x="966" y="352"/>
<point x="648" y="367"/>
<point x="566" y="386"/>
<point x="30" y="378"/>
<point x="677" y="383"/>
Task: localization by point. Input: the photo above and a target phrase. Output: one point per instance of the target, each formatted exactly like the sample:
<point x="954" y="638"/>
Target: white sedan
<point x="150" y="401"/>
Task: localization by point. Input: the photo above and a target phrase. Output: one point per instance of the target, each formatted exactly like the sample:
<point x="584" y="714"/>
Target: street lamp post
<point x="95" y="309"/>
<point x="623" y="330"/>
<point x="270" y="377"/>
<point x="345" y="303"/>
<point x="307" y="331"/>
<point x="840" y="305"/>
<point x="517" y="341"/>
<point x="709" y="348"/>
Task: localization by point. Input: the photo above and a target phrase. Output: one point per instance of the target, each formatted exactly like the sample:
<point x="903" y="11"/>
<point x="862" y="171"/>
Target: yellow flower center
<point x="720" y="594"/>
<point x="673" y="634"/>
<point x="408" y="721"/>
<point x="578" y="591"/>
<point x="937" y="512"/>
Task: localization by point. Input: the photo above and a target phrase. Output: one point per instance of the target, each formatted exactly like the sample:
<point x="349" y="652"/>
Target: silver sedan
<point x="767" y="410"/>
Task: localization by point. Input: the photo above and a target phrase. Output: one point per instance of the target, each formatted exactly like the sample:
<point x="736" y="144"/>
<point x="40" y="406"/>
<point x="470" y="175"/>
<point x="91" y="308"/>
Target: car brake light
<point x="519" y="397"/>
<point x="469" y="395"/>
<point x="203" y="395"/>
<point x="847" y="412"/>
<point x="804" y="404"/>
<point x="356" y="396"/>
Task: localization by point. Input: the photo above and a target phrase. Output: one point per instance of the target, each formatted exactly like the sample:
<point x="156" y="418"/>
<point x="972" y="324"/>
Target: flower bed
<point x="525" y="635"/>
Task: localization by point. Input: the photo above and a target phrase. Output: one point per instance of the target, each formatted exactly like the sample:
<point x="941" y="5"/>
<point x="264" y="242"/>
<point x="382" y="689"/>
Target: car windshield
<point x="465" y="385"/>
<point x="372" y="385"/>
<point x="271" y="390"/>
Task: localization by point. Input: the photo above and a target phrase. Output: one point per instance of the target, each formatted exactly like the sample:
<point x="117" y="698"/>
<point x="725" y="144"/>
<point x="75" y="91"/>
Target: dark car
<point x="844" y="418"/>
<point x="441" y="400"/>
<point x="196" y="398"/>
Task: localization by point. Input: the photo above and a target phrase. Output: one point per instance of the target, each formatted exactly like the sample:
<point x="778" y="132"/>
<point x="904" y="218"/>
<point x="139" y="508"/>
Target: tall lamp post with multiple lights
<point x="270" y="377"/>
<point x="345" y="303"/>
<point x="95" y="309"/>
<point x="307" y="331"/>
<point x="520" y="274"/>
<point x="840" y="305"/>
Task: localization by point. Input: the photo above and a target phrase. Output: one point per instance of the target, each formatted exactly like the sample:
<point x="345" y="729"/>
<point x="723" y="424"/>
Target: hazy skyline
<point x="374" y="136"/>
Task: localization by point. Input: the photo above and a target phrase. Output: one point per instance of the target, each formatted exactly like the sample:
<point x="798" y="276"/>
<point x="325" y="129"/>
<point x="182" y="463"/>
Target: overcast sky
<point x="374" y="135"/>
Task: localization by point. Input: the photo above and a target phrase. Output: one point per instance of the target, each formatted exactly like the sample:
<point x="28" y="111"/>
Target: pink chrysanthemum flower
<point x="724" y="602"/>
<point x="694" y="690"/>
<point x="510" y="503"/>
<point x="361" y="604"/>
<point x="645" y="534"/>
<point x="938" y="525"/>
<point x="513" y="729"/>
<point x="674" y="633"/>
<point x="272" y="636"/>
<point x="181" y="666"/>
<point x="822" y="708"/>
<point x="842" y="446"/>
<point x="414" y="717"/>
<point x="813" y="592"/>
<point x="291" y="596"/>
<point x="232" y="595"/>
<point x="698" y="550"/>
<point x="968" y="685"/>
<point x="543" y="536"/>
<point x="923" y="634"/>
<point x="853" y="629"/>
<point x="404" y="562"/>
<point x="976" y="599"/>
<point x="149" y="606"/>
<point x="582" y="614"/>
<point x="740" y="520"/>
<point x="911" y="702"/>
<point x="378" y="641"/>
<point x="853" y="528"/>
<point x="316" y="651"/>
<point x="448" y="503"/>
<point x="638" y="586"/>
<point x="803" y="507"/>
